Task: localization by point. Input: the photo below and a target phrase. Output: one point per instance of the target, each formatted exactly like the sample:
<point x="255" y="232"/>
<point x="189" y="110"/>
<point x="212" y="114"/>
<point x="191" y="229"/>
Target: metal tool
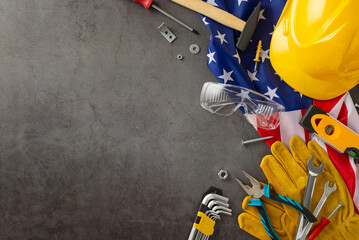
<point x="336" y="134"/>
<point x="256" y="140"/>
<point x="327" y="191"/>
<point x="258" y="52"/>
<point x="213" y="204"/>
<point x="312" y="177"/>
<point x="257" y="191"/>
<point x="149" y="3"/>
<point x="323" y="223"/>
<point x="166" y="32"/>
<point x="227" y="19"/>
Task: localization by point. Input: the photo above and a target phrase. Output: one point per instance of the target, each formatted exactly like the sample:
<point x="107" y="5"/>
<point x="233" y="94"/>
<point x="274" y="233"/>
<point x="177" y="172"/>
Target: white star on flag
<point x="237" y="56"/>
<point x="301" y="95"/>
<point x="226" y="76"/>
<point x="252" y="76"/>
<point x="271" y="33"/>
<point x="271" y="93"/>
<point x="264" y="54"/>
<point x="212" y="2"/>
<point x="221" y="37"/>
<point x="244" y="94"/>
<point x="204" y="21"/>
<point x="281" y="79"/>
<point x="210" y="55"/>
<point x="261" y="15"/>
<point x="240" y="1"/>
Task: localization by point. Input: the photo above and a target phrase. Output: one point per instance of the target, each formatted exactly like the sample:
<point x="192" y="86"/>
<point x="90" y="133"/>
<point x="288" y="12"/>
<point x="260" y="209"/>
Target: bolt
<point x="256" y="140"/>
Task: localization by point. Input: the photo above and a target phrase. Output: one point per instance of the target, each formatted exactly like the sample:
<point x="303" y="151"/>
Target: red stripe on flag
<point x="327" y="105"/>
<point x="341" y="162"/>
<point x="275" y="133"/>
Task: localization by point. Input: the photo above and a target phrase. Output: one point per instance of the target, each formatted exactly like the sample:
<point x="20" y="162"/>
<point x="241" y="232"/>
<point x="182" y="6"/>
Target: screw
<point x="336" y="209"/>
<point x="256" y="140"/>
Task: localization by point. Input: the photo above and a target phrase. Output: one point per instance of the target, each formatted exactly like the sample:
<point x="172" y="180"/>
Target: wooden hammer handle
<point x="214" y="13"/>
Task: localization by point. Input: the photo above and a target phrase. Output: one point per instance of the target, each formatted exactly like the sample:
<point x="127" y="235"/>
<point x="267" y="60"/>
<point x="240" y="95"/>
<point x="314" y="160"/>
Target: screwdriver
<point x="149" y="3"/>
<point x="325" y="221"/>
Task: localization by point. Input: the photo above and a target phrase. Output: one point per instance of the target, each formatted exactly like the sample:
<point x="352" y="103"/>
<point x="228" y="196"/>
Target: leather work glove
<point x="287" y="173"/>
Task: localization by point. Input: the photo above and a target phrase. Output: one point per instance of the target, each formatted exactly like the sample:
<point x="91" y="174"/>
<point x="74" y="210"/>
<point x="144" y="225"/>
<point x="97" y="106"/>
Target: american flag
<point x="230" y="66"/>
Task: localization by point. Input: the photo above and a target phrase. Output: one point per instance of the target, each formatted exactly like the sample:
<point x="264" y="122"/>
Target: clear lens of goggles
<point x="225" y="99"/>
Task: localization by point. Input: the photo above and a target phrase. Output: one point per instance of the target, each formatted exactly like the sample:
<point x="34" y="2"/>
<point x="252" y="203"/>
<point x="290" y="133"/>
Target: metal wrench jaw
<point x="315" y="171"/>
<point x="328" y="190"/>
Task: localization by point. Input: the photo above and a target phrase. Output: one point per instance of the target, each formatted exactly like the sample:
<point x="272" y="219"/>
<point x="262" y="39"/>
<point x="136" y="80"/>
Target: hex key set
<point x="212" y="205"/>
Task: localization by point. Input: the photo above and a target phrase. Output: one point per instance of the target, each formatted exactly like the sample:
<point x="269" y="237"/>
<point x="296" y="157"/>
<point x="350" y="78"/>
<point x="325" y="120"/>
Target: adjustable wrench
<point x="327" y="191"/>
<point x="312" y="177"/>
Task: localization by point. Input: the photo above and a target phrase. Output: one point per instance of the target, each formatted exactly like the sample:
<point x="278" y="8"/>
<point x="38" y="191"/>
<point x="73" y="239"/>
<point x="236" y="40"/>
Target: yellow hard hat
<point x="315" y="46"/>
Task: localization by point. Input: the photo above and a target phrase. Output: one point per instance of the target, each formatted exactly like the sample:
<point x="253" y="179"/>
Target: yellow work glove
<point x="287" y="173"/>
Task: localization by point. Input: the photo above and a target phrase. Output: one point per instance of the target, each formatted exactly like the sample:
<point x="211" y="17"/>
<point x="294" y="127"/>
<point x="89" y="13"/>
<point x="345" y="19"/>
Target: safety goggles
<point x="225" y="99"/>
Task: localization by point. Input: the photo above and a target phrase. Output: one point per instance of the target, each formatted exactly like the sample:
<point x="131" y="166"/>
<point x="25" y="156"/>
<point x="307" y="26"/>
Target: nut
<point x="223" y="174"/>
<point x="179" y="57"/>
<point x="194" y="48"/>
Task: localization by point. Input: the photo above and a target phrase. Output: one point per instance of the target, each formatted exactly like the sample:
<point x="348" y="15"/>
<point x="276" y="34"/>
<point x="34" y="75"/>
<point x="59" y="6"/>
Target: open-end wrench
<point x="312" y="177"/>
<point x="327" y="191"/>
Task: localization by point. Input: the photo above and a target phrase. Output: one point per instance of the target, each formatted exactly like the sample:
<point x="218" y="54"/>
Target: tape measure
<point x="333" y="132"/>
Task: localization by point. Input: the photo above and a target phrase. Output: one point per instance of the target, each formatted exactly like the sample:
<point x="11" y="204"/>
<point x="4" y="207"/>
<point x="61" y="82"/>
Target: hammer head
<point x="249" y="28"/>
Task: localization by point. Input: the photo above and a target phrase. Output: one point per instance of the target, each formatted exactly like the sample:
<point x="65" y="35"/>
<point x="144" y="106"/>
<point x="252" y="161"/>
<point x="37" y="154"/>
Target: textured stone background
<point x="101" y="131"/>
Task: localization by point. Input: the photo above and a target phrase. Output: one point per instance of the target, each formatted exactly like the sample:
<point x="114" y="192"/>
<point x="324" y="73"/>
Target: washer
<point x="194" y="48"/>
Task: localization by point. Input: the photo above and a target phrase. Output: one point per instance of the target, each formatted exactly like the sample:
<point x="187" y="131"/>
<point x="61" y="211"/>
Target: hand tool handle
<point x="145" y="3"/>
<point x="264" y="217"/>
<point x="215" y="13"/>
<point x="290" y="202"/>
<point x="325" y="221"/>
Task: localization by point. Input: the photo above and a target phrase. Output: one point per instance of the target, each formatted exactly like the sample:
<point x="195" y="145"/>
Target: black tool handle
<point x="290" y="202"/>
<point x="264" y="217"/>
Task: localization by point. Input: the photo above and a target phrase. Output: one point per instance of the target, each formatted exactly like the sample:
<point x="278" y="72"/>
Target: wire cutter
<point x="257" y="191"/>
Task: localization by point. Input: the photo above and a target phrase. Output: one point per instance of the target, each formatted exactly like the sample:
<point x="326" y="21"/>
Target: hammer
<point x="227" y="19"/>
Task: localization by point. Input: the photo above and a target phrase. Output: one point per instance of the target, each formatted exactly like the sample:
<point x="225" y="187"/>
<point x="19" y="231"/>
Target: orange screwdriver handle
<point x="325" y="221"/>
<point x="145" y="3"/>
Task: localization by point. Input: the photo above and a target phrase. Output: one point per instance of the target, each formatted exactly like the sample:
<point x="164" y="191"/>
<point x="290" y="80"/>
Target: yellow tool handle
<point x="215" y="13"/>
<point x="205" y="225"/>
<point x="258" y="52"/>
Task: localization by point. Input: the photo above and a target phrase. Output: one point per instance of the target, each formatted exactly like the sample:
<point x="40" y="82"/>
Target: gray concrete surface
<point x="101" y="131"/>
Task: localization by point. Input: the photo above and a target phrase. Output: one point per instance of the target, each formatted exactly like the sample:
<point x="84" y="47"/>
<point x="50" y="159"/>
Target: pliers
<point x="257" y="191"/>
